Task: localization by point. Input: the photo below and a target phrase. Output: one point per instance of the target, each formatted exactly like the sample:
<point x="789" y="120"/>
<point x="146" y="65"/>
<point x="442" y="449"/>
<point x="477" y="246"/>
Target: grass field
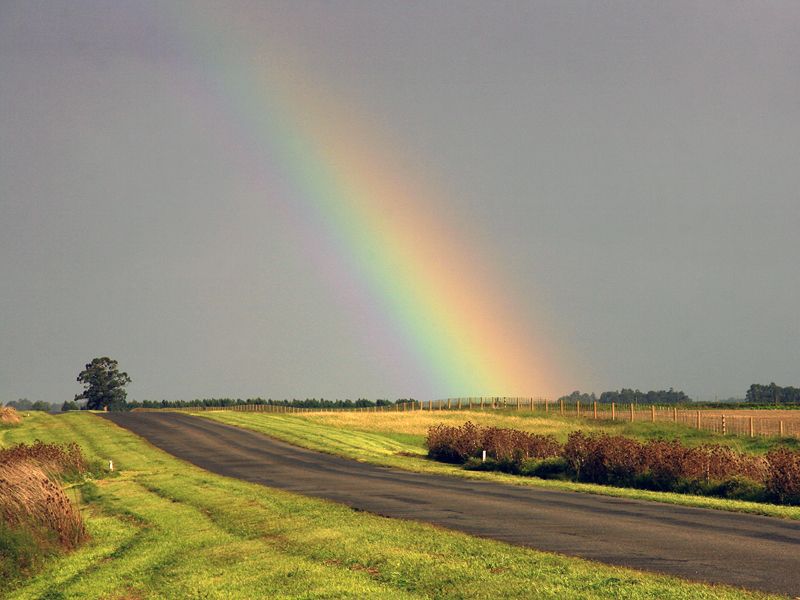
<point x="397" y="440"/>
<point x="164" y="529"/>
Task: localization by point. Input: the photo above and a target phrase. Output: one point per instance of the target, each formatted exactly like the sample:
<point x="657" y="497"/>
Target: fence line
<point x="754" y="423"/>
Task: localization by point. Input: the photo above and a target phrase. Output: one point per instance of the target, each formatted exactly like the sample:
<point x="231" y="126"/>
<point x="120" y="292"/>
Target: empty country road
<point x="749" y="551"/>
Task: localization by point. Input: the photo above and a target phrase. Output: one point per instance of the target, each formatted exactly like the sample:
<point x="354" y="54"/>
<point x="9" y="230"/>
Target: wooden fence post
<point x="652" y="413"/>
<point x="517" y="403"/>
<point x="595" y="411"/>
<point x="674" y="414"/>
<point x="631" y="412"/>
<point x="780" y="428"/>
<point x="724" y="426"/>
<point x="613" y="411"/>
<point x="577" y="408"/>
<point x="562" y="406"/>
<point x="448" y="404"/>
<point x="698" y="419"/>
<point x="752" y="432"/>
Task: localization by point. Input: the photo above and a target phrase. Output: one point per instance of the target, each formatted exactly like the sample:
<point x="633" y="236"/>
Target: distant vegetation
<point x="25" y="404"/>
<point x="627" y="396"/>
<point x="772" y="394"/>
<point x="223" y="402"/>
<point x="757" y="395"/>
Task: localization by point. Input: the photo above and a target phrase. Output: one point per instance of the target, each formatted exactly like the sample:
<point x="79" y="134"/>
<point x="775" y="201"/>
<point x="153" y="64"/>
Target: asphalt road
<point x="749" y="551"/>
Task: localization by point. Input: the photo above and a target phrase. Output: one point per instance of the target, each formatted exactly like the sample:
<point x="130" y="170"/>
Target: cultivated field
<point x="161" y="528"/>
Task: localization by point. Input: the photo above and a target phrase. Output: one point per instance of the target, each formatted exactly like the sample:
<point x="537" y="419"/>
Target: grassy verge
<point x="165" y="529"/>
<point x="397" y="440"/>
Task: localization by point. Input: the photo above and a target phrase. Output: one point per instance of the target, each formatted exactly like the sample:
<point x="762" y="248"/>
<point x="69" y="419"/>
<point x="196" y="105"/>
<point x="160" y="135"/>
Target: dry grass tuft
<point x="31" y="501"/>
<point x="56" y="460"/>
<point x="37" y="518"/>
<point x="9" y="416"/>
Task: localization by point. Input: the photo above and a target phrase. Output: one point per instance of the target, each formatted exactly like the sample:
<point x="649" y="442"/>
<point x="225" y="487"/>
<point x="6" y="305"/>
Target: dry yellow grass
<point x="30" y="500"/>
<point x="418" y="422"/>
<point x="9" y="416"/>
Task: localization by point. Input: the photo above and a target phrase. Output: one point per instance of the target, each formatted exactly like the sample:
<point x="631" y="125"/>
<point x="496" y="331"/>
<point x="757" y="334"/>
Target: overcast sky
<point x="630" y="169"/>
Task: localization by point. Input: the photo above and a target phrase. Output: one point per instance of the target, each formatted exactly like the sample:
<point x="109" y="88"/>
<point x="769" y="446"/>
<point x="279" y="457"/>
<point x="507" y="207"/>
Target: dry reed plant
<point x="31" y="501"/>
<point x="56" y="460"/>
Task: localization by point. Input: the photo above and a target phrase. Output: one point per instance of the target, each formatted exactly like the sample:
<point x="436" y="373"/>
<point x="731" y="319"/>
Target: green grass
<point x="165" y="529"/>
<point x="397" y="440"/>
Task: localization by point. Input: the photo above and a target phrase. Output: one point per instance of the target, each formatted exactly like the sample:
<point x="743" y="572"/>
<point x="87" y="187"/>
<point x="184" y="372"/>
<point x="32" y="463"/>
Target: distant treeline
<point x="294" y="402"/>
<point x="25" y="404"/>
<point x="758" y="395"/>
<point x="772" y="394"/>
<point x="627" y="396"/>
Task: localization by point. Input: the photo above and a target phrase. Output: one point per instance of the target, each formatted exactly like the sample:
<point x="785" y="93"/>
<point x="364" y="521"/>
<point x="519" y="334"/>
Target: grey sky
<point x="629" y="167"/>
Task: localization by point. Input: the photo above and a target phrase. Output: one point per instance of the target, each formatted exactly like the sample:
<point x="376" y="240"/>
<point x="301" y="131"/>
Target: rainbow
<point x="427" y="288"/>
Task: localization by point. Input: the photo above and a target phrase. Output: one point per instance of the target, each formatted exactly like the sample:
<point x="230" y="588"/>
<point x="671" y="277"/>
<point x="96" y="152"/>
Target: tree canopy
<point x="772" y="394"/>
<point x="628" y="396"/>
<point x="104" y="385"/>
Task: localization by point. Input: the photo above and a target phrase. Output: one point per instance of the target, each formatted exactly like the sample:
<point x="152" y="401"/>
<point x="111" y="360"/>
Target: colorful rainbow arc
<point x="428" y="291"/>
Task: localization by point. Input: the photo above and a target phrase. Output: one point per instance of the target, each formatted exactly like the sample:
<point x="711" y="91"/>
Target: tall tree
<point x="104" y="383"/>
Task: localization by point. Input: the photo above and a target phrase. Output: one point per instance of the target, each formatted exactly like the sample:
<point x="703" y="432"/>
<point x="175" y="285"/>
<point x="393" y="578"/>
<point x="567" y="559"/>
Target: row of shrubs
<point x="37" y="517"/>
<point x="659" y="464"/>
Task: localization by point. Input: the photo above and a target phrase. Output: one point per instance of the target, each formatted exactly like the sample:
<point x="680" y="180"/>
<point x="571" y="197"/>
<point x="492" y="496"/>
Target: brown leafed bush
<point x="513" y="445"/>
<point x="661" y="464"/>
<point x="453" y="444"/>
<point x="31" y="501"/>
<point x="670" y="461"/>
<point x="784" y="475"/>
<point x="657" y="464"/>
<point x="603" y="458"/>
<point x="458" y="444"/>
<point x="9" y="416"/>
